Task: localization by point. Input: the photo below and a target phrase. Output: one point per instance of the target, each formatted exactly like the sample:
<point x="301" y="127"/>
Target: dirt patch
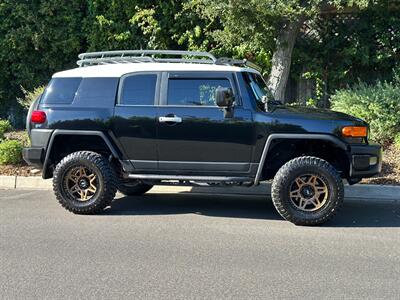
<point x="390" y="168"/>
<point x="20" y="170"/>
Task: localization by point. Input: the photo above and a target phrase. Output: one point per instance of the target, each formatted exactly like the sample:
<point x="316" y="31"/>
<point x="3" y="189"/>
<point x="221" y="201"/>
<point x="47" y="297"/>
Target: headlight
<point x="355" y="131"/>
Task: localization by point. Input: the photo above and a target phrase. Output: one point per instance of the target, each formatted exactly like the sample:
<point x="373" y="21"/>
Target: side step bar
<point x="190" y="178"/>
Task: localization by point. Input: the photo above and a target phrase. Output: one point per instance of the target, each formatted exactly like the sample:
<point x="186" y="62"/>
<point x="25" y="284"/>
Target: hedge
<point x="377" y="104"/>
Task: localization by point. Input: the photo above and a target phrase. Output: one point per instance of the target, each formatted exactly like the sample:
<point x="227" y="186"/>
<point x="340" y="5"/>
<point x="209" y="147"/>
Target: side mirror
<point x="224" y="97"/>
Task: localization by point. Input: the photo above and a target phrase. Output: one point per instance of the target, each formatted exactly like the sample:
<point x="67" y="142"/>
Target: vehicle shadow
<point x="352" y="214"/>
<point x="226" y="206"/>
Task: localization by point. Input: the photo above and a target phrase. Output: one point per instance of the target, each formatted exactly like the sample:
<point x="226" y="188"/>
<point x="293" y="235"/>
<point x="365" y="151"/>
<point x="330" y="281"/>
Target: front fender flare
<point x="293" y="136"/>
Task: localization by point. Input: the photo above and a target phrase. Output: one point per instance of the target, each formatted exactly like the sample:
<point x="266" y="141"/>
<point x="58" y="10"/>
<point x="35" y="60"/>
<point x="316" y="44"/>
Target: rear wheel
<point x="133" y="187"/>
<point x="84" y="182"/>
<point x="307" y="191"/>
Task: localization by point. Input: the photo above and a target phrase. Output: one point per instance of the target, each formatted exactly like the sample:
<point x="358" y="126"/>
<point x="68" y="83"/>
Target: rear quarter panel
<point x="91" y="109"/>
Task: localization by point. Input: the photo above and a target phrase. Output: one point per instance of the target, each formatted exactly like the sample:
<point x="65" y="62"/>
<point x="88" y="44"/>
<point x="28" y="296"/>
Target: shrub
<point x="20" y="135"/>
<point x="397" y="141"/>
<point x="4" y="126"/>
<point x="10" y="152"/>
<point x="377" y="104"/>
<point x="30" y="96"/>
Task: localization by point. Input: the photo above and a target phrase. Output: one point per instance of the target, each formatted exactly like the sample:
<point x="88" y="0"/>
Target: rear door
<point x="194" y="136"/>
<point x="134" y="122"/>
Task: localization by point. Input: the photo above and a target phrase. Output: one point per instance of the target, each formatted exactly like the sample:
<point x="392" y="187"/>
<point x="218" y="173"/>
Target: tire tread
<point x="110" y="182"/>
<point x="284" y="172"/>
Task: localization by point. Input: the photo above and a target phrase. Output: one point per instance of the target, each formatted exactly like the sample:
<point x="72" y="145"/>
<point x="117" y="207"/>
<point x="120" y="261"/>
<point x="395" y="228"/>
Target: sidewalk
<point x="359" y="192"/>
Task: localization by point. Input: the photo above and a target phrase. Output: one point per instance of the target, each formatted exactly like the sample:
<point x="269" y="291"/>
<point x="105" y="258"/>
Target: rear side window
<point x="61" y="91"/>
<point x="97" y="92"/>
<point x="195" y="92"/>
<point x="139" y="89"/>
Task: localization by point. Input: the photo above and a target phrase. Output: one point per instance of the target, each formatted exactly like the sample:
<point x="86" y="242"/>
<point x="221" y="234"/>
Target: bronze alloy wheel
<point x="81" y="183"/>
<point x="308" y="192"/>
<point x="84" y="182"/>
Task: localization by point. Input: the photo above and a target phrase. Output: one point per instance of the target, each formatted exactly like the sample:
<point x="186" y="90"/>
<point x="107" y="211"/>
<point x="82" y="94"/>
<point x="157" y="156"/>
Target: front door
<point x="194" y="135"/>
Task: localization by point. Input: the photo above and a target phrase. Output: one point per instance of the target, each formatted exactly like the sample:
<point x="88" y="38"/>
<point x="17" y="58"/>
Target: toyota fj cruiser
<point x="128" y="120"/>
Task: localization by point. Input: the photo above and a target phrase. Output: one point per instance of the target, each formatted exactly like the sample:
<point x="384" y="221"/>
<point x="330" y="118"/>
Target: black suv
<point x="128" y="120"/>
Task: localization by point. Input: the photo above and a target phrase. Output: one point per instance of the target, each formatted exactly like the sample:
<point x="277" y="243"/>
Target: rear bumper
<point x="34" y="156"/>
<point x="366" y="160"/>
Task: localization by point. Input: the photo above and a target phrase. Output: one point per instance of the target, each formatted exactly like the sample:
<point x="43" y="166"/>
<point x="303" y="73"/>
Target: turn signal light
<point x="38" y="117"/>
<point x="354" y="131"/>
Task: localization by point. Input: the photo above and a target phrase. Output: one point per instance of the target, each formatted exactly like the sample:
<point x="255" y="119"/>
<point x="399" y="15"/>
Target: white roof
<point x="117" y="70"/>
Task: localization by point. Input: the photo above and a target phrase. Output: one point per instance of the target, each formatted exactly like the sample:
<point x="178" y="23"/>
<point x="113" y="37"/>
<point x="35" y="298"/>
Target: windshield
<point x="257" y="89"/>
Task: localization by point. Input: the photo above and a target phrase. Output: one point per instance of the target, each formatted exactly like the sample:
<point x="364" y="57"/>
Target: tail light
<point x="38" y="117"/>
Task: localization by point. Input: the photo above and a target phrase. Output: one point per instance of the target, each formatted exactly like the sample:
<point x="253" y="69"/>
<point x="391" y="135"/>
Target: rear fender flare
<point x="59" y="132"/>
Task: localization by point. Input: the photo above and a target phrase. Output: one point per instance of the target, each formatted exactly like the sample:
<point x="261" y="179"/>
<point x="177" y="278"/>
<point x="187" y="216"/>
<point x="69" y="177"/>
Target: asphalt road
<point x="184" y="246"/>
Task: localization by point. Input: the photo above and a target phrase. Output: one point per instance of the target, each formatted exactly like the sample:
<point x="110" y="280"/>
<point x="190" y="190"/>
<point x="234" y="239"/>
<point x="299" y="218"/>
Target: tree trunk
<point x="282" y="58"/>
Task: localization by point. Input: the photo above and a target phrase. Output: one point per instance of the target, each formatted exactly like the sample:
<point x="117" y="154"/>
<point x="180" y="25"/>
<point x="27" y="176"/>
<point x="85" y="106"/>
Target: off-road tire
<point x="132" y="188"/>
<point x="280" y="190"/>
<point x="107" y="182"/>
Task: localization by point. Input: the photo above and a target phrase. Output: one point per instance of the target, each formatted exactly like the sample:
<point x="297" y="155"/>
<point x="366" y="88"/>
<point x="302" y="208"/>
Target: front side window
<point x="61" y="91"/>
<point x="139" y="90"/>
<point x="257" y="88"/>
<point x="194" y="92"/>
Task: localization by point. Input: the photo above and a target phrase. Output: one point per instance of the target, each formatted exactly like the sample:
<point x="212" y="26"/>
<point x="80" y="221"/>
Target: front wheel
<point x="307" y="191"/>
<point x="84" y="182"/>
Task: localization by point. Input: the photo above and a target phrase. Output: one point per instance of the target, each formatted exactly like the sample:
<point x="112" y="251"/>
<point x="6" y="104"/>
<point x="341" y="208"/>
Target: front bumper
<point x="33" y="156"/>
<point x="365" y="160"/>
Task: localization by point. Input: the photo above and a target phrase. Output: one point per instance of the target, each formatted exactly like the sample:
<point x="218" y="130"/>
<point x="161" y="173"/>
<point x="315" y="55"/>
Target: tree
<point x="127" y="24"/>
<point x="267" y="27"/>
<point x="40" y="37"/>
<point x="37" y="38"/>
<point x="349" y="46"/>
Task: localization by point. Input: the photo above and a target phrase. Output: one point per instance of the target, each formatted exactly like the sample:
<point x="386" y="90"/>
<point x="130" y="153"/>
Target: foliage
<point x="127" y="24"/>
<point x="378" y="104"/>
<point x="397" y="141"/>
<point x="349" y="48"/>
<point x="248" y="28"/>
<point x="10" y="152"/>
<point x="30" y="96"/>
<point x="38" y="38"/>
<point x="20" y="135"/>
<point x="4" y="127"/>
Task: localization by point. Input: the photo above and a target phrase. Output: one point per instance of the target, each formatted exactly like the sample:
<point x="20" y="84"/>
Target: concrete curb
<point x="8" y="182"/>
<point x="361" y="192"/>
<point x="33" y="183"/>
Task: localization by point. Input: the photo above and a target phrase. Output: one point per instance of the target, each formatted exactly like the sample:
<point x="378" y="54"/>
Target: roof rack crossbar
<point x="183" y="60"/>
<point x="238" y="62"/>
<point x="112" y="60"/>
<point x="162" y="56"/>
<point x="91" y="58"/>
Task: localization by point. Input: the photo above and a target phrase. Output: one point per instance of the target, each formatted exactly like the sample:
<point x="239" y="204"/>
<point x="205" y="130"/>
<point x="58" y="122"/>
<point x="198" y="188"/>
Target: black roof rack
<point x="165" y="56"/>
